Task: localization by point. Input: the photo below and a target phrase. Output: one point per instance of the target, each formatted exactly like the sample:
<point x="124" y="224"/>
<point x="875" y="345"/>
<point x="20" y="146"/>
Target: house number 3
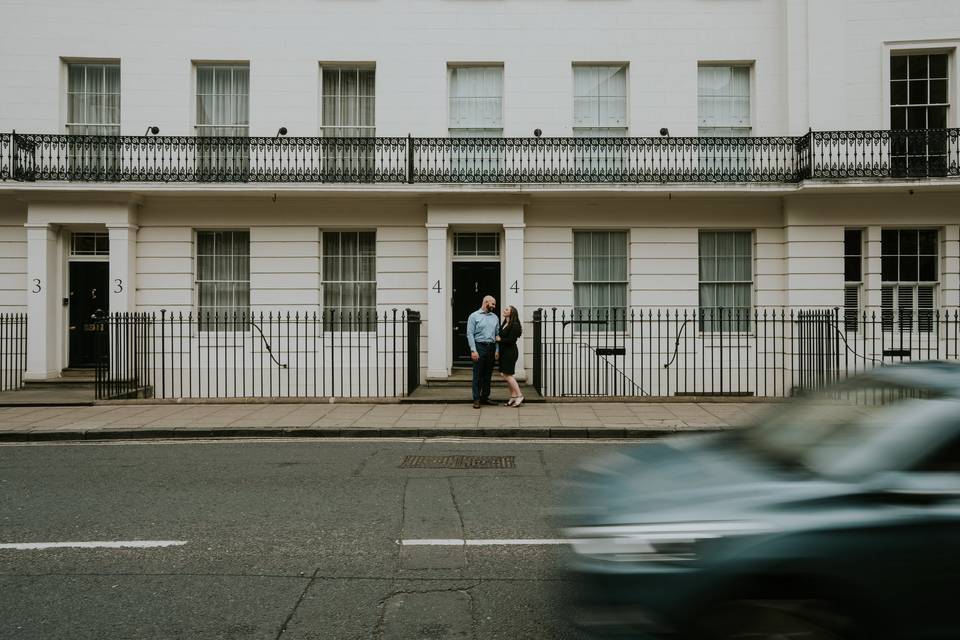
<point x="119" y="288"/>
<point x="36" y="285"/>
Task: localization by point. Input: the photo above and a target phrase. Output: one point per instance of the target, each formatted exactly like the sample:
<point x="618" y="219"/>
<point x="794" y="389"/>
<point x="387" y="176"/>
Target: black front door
<point x="471" y="282"/>
<point x="88" y="295"/>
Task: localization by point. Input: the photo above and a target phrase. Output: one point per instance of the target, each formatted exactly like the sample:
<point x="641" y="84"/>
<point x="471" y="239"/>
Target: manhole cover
<point x="457" y="462"/>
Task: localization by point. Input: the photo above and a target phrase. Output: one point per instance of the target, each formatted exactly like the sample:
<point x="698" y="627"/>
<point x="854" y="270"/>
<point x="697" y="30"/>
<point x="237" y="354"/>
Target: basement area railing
<point x="727" y="352"/>
<point x="30" y="157"/>
<point x="258" y="355"/>
<point x="13" y="350"/>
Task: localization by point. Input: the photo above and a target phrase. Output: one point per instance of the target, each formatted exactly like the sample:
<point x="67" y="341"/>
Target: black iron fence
<point x="13" y="350"/>
<point x="785" y="159"/>
<point x="726" y="352"/>
<point x="258" y="355"/>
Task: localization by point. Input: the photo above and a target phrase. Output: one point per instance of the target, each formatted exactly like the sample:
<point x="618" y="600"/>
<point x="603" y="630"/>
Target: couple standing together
<point x="494" y="340"/>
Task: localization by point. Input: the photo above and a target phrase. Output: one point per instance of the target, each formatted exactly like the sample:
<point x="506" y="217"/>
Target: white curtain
<point x="223" y="100"/>
<point x="599" y="98"/>
<point x="723" y="96"/>
<point x="349" y="274"/>
<point x="726" y="276"/>
<point x="476" y="100"/>
<point x="349" y="102"/>
<point x="600" y="274"/>
<point x="223" y="274"/>
<point x="93" y="99"/>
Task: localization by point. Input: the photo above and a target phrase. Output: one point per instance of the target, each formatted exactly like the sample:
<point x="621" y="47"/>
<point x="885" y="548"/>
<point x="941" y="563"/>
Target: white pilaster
<point x="123" y="257"/>
<point x="514" y="293"/>
<point x="43" y="313"/>
<point x="951" y="266"/>
<point x="438" y="302"/>
<point x="872" y="272"/>
<point x="796" y="43"/>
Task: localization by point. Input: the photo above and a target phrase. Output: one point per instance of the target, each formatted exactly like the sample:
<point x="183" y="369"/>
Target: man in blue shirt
<point x="483" y="327"/>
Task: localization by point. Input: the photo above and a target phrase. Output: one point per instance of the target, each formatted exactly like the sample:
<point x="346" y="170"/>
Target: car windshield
<point x="830" y="433"/>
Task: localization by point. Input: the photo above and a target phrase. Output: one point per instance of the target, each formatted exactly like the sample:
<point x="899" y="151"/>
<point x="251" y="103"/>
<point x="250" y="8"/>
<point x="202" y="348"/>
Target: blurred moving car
<point x="836" y="517"/>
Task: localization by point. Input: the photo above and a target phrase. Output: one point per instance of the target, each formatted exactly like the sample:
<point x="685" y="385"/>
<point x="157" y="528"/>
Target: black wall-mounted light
<point x="537" y="133"/>
<point x="282" y="131"/>
<point x="664" y="132"/>
<point x="154" y="130"/>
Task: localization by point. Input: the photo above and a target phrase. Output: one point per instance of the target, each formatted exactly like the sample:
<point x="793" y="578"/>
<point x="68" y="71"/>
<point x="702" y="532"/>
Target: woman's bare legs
<point x="513" y="385"/>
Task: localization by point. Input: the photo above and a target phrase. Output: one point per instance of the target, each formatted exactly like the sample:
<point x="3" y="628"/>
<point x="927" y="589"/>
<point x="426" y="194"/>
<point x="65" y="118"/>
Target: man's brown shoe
<point x="476" y="404"/>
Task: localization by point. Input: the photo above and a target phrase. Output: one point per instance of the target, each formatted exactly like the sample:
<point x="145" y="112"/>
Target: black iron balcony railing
<point x="816" y="155"/>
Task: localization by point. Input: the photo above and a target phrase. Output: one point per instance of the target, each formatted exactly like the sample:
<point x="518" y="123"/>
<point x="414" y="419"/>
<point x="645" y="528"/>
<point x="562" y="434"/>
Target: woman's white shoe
<point x="519" y="401"/>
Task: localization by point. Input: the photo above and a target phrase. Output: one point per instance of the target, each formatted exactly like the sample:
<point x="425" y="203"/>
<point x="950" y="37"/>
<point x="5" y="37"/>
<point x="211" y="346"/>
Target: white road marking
<point x="101" y="544"/>
<point x="489" y="542"/>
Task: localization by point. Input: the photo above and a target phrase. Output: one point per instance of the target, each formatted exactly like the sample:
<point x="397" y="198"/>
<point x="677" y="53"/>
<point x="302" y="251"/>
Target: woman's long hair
<point x="513" y="318"/>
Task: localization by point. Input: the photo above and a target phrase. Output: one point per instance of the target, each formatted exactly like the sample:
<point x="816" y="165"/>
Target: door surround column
<point x="438" y="302"/>
<point x="43" y="313"/>
<point x="513" y="293"/>
<point x="123" y="273"/>
<point x="440" y="217"/>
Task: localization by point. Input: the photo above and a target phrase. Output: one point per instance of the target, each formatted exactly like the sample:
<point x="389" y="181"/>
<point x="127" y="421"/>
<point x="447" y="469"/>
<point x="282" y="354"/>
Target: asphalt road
<point x="280" y="539"/>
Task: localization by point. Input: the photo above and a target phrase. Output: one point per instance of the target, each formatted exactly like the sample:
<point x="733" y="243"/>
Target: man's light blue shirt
<point x="482" y="326"/>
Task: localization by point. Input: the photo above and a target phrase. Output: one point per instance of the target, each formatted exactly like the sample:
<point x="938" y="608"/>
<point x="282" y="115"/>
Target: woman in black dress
<point x="510" y="332"/>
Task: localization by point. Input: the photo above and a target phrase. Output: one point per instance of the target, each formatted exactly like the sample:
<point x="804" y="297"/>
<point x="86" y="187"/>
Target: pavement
<point x="353" y="420"/>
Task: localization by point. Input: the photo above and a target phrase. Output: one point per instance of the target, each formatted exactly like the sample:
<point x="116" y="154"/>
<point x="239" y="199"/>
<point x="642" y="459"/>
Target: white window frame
<point x="367" y="131"/>
<point x="476" y="234"/>
<point x="735" y="130"/>
<point x="367" y="325"/>
<point x="892" y="316"/>
<point x="86" y="64"/>
<point x="241" y="312"/>
<point x="945" y="45"/>
<point x="232" y="65"/>
<point x="852" y="316"/>
<point x="703" y="321"/>
<point x="618" y="326"/>
<point x="598" y="131"/>
<point x="474" y="132"/>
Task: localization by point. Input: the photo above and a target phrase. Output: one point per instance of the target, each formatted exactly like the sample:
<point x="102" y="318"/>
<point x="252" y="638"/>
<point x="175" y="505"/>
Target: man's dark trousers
<point x="483" y="370"/>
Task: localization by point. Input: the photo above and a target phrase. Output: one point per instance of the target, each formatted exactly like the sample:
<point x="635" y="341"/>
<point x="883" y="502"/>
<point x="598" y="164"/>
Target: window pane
<point x="937" y="118"/>
<point x="909" y="241"/>
<point x="917" y="118"/>
<point x="898" y="118"/>
<point x="908" y="268"/>
<point x="486" y="245"/>
<point x="938" y="91"/>
<point x="928" y="269"/>
<point x="898" y="92"/>
<point x="898" y="67"/>
<point x="938" y="66"/>
<point x="918" y="67"/>
<point x="888" y="242"/>
<point x="918" y="92"/>
<point x="852" y="268"/>
<point x="852" y="242"/>
<point x="928" y="241"/>
<point x="888" y="268"/>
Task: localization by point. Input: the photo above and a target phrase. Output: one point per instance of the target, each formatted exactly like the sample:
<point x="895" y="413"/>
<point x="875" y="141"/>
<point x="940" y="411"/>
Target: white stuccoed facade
<point x="814" y="64"/>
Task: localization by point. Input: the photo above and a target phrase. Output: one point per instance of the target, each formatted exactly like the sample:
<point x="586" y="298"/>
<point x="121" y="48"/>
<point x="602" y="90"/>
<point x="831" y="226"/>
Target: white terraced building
<point x="738" y="196"/>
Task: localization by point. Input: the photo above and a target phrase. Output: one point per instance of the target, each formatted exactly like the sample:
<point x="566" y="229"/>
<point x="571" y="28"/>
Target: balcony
<point x="828" y="155"/>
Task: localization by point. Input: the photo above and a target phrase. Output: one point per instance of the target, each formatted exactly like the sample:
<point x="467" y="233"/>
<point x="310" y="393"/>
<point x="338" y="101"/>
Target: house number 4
<point x="515" y="287"/>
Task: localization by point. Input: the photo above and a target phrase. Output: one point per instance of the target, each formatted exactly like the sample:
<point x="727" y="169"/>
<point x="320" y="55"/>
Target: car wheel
<point x="775" y="620"/>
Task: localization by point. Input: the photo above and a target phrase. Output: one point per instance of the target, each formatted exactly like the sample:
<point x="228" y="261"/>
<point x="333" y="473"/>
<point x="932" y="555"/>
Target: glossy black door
<point x="471" y="282"/>
<point x="88" y="295"/>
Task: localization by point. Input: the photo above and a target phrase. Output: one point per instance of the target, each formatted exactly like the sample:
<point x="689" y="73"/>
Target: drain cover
<point x="457" y="462"/>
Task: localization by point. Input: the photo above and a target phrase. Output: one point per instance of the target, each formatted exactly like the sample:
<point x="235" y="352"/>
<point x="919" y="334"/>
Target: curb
<point x="578" y="433"/>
